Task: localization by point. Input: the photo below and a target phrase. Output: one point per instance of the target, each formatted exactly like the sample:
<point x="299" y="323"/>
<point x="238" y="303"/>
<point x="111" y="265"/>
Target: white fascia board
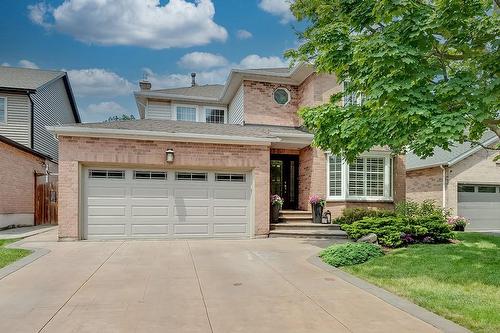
<point x="176" y="97"/>
<point x="472" y="151"/>
<point x="429" y="166"/>
<point x="156" y="135"/>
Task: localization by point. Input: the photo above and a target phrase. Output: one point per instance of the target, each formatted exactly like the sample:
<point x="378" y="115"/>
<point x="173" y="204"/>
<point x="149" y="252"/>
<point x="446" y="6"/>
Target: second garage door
<point x="481" y="205"/>
<point x="138" y="203"/>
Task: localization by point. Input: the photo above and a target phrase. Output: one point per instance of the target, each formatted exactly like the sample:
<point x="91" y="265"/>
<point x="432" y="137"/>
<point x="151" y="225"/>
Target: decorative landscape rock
<point x="370" y="238"/>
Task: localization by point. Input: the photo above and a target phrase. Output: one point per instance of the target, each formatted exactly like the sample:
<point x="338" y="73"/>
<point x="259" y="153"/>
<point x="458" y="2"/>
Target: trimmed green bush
<point x="399" y="231"/>
<point x="349" y="254"/>
<point x="350" y="215"/>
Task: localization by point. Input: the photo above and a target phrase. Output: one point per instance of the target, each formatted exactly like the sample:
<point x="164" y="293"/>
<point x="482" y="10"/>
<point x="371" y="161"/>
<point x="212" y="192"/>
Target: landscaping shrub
<point x="350" y="215"/>
<point x="350" y="254"/>
<point x="415" y="209"/>
<point x="398" y="231"/>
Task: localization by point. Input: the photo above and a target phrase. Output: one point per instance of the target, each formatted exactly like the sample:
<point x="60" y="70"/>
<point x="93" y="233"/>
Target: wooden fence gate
<point x="45" y="199"/>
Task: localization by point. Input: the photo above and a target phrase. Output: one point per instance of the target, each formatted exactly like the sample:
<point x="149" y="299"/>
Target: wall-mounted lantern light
<point x="170" y="155"/>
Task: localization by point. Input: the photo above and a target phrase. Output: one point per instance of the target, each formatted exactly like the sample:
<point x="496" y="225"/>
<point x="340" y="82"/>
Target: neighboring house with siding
<point x="465" y="180"/>
<point x="202" y="161"/>
<point x="30" y="99"/>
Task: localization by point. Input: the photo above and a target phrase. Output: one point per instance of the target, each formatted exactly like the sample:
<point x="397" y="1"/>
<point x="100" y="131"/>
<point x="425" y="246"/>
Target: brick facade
<point x="77" y="151"/>
<point x="425" y="184"/>
<point x="17" y="170"/>
<point x="260" y="107"/>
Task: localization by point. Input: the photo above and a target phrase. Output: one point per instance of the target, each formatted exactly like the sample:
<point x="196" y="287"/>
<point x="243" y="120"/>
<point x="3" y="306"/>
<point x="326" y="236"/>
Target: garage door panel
<point x="138" y="211"/>
<point x="479" y="206"/>
<point x="102" y="191"/>
<point x="190" y="211"/>
<point x="191" y="229"/>
<point x="169" y="208"/>
<point x="107" y="229"/>
<point x="230" y="211"/>
<point x="106" y="210"/>
<point x="149" y="192"/>
<point x="225" y="229"/>
<point x="231" y="194"/>
<point x="191" y="193"/>
<point x="150" y="229"/>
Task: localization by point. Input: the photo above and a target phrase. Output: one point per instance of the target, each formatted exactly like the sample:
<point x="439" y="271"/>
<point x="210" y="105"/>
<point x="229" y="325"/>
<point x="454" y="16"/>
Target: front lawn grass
<point x="458" y="281"/>
<point x="8" y="256"/>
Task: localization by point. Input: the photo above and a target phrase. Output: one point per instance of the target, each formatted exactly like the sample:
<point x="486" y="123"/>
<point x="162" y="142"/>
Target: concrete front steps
<point x="298" y="224"/>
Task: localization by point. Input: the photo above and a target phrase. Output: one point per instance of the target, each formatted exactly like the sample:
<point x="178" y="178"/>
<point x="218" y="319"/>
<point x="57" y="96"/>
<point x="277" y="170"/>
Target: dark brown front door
<point x="284" y="176"/>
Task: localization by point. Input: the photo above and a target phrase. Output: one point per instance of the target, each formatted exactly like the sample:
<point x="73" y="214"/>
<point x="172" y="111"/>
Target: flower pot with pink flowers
<point x="276" y="204"/>
<point x="317" y="204"/>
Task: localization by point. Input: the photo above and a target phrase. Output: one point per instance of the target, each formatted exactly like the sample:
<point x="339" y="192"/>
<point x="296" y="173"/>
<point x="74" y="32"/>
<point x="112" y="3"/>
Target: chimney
<point x="144" y="85"/>
<point x="193" y="79"/>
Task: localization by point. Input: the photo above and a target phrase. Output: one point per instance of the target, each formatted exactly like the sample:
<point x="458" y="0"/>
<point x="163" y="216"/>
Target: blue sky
<point x="107" y="45"/>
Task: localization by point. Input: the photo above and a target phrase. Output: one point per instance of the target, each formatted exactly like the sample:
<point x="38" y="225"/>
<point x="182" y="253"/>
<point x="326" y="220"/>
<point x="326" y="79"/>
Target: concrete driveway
<point x="264" y="285"/>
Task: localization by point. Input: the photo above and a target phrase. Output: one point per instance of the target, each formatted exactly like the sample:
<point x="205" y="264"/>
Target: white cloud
<point x="243" y="34"/>
<point x="106" y="108"/>
<point x="27" y="64"/>
<point x="279" y="8"/>
<point x="98" y="82"/>
<point x="145" y="23"/>
<point x="202" y="60"/>
<point x="217" y="75"/>
<point x="256" y="61"/>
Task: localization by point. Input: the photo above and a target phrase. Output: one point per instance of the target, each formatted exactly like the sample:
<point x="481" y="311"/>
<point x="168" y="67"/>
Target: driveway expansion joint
<point x="80" y="287"/>
<point x="199" y="285"/>
<point x="398" y="302"/>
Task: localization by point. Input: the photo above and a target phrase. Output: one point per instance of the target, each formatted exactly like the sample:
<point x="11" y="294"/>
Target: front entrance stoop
<point x="298" y="224"/>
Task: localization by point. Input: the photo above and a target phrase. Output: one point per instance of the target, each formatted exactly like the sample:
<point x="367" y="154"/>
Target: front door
<point x="284" y="175"/>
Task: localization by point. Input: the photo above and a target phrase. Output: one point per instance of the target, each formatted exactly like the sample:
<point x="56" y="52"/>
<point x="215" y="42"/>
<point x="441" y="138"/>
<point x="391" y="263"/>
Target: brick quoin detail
<point x="75" y="151"/>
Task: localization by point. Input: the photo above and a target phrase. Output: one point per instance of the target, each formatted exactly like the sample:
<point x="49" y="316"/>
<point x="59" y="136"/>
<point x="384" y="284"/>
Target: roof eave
<point x="157" y="135"/>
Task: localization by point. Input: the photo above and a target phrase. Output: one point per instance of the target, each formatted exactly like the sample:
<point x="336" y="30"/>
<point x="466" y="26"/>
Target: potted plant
<point x="457" y="223"/>
<point x="317" y="204"/>
<point x="276" y="204"/>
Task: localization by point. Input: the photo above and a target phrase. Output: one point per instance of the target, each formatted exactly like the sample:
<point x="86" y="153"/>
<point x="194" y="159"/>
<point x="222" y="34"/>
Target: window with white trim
<point x="230" y="177"/>
<point x="186" y="113"/>
<point x="351" y="98"/>
<point x="3" y="110"/>
<point x="369" y="177"/>
<point x="215" y="116"/>
<point x="191" y="176"/>
<point x="152" y="175"/>
<point x="106" y="174"/>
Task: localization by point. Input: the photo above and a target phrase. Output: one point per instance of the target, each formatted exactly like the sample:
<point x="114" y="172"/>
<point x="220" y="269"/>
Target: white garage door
<point x="138" y="203"/>
<point x="481" y="205"/>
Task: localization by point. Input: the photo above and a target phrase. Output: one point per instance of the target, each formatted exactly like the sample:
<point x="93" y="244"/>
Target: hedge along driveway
<point x="458" y="281"/>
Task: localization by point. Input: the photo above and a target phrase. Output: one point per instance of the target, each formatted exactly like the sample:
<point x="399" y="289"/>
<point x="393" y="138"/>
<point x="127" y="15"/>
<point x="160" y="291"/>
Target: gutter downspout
<point x="444" y="185"/>
<point x="32" y="116"/>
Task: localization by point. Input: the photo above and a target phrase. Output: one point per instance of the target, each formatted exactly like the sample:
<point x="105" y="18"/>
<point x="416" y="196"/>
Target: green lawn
<point x="8" y="256"/>
<point x="458" y="281"/>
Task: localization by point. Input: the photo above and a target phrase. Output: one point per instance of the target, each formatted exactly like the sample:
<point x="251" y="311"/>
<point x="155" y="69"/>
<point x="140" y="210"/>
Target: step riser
<point x="307" y="236"/>
<point x="303" y="227"/>
<point x="295" y="221"/>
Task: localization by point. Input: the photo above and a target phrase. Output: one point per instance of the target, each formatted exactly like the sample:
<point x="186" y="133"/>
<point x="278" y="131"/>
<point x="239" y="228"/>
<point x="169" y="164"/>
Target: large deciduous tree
<point x="427" y="72"/>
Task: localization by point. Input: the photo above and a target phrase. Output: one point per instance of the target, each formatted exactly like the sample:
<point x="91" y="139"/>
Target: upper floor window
<point x="186" y="113"/>
<point x="368" y="177"/>
<point x="281" y="96"/>
<point x="214" y="116"/>
<point x="351" y="98"/>
<point x="3" y="110"/>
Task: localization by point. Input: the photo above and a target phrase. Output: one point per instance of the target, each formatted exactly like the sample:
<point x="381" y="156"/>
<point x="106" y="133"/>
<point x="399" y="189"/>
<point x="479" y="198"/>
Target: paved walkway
<point x="264" y="285"/>
<point x="26" y="231"/>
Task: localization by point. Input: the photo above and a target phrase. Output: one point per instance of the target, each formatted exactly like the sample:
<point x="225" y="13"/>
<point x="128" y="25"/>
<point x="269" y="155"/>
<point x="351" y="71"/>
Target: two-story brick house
<point x="203" y="161"/>
<point x="30" y="99"/>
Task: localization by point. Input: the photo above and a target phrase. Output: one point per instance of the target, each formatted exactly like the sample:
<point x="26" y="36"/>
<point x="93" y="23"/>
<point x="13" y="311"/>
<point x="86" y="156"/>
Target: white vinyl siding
<point x="236" y="108"/>
<point x="52" y="107"/>
<point x="158" y="110"/>
<point x="367" y="178"/>
<point x="17" y="118"/>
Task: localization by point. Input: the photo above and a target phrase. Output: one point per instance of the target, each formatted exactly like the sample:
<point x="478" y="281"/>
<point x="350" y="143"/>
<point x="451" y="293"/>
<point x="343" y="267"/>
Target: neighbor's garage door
<point x="137" y="203"/>
<point x="481" y="205"/>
